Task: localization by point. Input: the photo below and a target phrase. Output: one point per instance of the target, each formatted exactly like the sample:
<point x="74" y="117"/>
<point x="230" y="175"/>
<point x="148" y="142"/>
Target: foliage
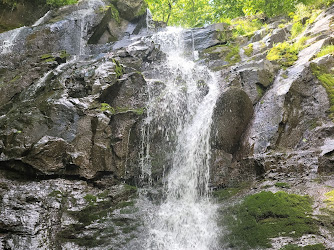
<point x="196" y="13"/>
<point x="58" y="3"/>
<point x="115" y="13"/>
<point x="119" y="70"/>
<point x="249" y="49"/>
<point x="330" y="199"/>
<point x="181" y="12"/>
<point x="296" y="29"/>
<point x="326" y="50"/>
<point x="285" y="53"/>
<point x="245" y="26"/>
<point x="266" y="215"/>
<point x="326" y="77"/>
<point x="282" y="185"/>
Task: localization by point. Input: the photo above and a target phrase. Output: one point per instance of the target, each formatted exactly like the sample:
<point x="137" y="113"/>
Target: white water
<point x="181" y="112"/>
<point x="9" y="42"/>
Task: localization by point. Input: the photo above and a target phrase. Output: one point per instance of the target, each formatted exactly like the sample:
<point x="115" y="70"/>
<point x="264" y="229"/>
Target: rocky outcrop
<point x="70" y="126"/>
<point x="73" y="93"/>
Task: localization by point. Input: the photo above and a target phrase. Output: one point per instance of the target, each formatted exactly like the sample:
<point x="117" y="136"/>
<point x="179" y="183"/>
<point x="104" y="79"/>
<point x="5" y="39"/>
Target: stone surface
<point x="71" y="124"/>
<point x="233" y="111"/>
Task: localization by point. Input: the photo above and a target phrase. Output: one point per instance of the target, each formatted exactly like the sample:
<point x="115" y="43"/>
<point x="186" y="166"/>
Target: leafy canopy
<point x="194" y="13"/>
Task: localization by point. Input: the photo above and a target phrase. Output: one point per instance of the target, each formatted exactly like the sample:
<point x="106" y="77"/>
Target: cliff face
<point x="73" y="96"/>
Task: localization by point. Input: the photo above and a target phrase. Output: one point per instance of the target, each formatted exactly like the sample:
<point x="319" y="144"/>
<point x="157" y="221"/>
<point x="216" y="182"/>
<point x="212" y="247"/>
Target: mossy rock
<point x="268" y="215"/>
<point x="325" y="75"/>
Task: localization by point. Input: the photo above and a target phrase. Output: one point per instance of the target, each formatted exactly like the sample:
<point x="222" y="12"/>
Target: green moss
<point x="326" y="50"/>
<point x="233" y="56"/>
<point x="115" y="13"/>
<point x="260" y="90"/>
<point x="46" y="56"/>
<point x="330" y="199"/>
<point x="249" y="49"/>
<point x="297" y="28"/>
<point x="107" y="107"/>
<point x="91" y="199"/>
<point x="119" y="70"/>
<point x="284" y="54"/>
<point x="267" y="215"/>
<point x="64" y="54"/>
<point x="314" y="247"/>
<point x="282" y="185"/>
<point x="16" y="78"/>
<point x="326" y="77"/>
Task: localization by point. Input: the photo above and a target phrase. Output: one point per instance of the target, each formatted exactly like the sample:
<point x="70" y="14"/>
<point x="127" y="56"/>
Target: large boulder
<point x="233" y="111"/>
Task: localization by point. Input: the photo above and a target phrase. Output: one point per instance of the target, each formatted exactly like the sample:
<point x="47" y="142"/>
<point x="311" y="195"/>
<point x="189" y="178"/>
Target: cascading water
<point x="180" y="111"/>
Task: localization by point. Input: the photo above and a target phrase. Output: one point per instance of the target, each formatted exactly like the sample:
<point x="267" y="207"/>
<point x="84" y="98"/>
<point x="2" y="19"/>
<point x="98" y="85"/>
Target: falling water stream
<point x="181" y="111"/>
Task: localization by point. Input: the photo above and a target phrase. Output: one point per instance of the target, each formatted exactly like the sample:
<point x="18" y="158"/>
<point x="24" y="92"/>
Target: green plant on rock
<point x="267" y="215"/>
<point x="119" y="70"/>
<point x="330" y="199"/>
<point x="249" y="49"/>
<point x="91" y="199"/>
<point x="233" y="56"/>
<point x="326" y="51"/>
<point x="107" y="107"/>
<point x="282" y="185"/>
<point x="59" y="3"/>
<point x="297" y="28"/>
<point x="326" y="76"/>
<point x="285" y="53"/>
<point x="114" y="13"/>
<point x="47" y="58"/>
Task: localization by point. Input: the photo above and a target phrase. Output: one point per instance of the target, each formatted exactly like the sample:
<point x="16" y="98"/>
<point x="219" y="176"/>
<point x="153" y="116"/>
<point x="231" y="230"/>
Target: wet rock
<point x="203" y="38"/>
<point x="255" y="78"/>
<point x="278" y="36"/>
<point x="232" y="113"/>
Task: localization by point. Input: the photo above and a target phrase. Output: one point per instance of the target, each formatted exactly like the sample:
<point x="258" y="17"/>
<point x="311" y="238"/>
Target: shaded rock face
<point x="233" y="112"/>
<point x="73" y="96"/>
<point x="290" y="125"/>
<point x="24" y="13"/>
<point x="70" y="121"/>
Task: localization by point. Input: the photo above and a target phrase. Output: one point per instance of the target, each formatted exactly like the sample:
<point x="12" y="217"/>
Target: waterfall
<point x="182" y="98"/>
<point x="9" y="40"/>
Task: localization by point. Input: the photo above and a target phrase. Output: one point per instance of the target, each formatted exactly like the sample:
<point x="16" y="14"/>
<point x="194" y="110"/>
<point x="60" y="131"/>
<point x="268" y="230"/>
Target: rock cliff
<point x="73" y="90"/>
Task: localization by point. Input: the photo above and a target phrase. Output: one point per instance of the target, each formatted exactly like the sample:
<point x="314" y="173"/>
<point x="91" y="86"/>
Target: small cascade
<point x="42" y="19"/>
<point x="180" y="107"/>
<point x="9" y="41"/>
